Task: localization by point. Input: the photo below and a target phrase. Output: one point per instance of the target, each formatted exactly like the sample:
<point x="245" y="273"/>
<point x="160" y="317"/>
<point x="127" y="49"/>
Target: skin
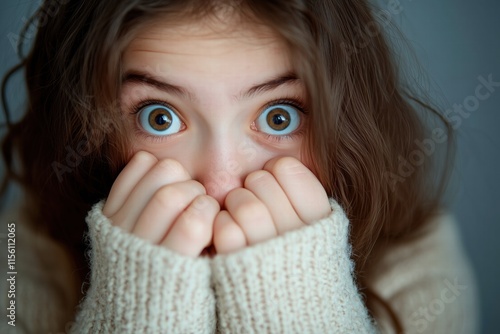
<point x="221" y="180"/>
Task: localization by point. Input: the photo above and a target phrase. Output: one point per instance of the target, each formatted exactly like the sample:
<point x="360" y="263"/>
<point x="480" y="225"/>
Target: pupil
<point x="161" y="119"/>
<point x="278" y="119"/>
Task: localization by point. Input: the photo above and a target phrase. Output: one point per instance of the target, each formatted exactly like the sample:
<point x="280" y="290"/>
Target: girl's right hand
<point x="158" y="201"/>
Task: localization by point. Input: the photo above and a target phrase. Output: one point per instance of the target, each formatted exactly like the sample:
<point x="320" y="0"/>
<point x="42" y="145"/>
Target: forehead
<point x="220" y="23"/>
<point x="205" y="46"/>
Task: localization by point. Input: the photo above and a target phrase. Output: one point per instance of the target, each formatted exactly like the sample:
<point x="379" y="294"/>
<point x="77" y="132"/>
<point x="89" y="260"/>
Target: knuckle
<point x="196" y="222"/>
<point x="288" y="166"/>
<point x="258" y="178"/>
<point x="143" y="157"/>
<point x="197" y="187"/>
<point x="249" y="209"/>
<point x="195" y="230"/>
<point x="233" y="195"/>
<point x="205" y="203"/>
<point x="168" y="196"/>
<point x="225" y="233"/>
<point x="170" y="167"/>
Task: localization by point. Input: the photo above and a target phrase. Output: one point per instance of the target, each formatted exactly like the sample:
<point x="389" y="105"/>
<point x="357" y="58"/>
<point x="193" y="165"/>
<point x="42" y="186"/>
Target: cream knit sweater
<point x="300" y="282"/>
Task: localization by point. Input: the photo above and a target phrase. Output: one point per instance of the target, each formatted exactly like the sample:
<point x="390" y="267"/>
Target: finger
<point x="251" y="215"/>
<point x="165" y="172"/>
<point x="164" y="208"/>
<point x="305" y="192"/>
<point x="133" y="172"/>
<point x="192" y="231"/>
<point x="263" y="185"/>
<point x="228" y="236"/>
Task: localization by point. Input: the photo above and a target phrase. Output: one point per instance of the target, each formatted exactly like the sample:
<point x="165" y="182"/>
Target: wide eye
<point x="159" y="120"/>
<point x="280" y="119"/>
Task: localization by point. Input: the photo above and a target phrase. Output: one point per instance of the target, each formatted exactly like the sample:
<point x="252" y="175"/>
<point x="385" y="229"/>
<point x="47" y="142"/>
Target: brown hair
<point x="363" y="130"/>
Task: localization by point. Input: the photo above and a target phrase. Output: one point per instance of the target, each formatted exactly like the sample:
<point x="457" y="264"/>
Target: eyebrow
<point x="145" y="78"/>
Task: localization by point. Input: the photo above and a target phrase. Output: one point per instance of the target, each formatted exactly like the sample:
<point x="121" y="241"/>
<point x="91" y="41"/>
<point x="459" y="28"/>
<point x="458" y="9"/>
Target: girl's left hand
<point x="284" y="196"/>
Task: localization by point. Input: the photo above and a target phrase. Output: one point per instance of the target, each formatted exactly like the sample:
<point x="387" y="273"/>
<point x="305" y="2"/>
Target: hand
<point x="158" y="201"/>
<point x="284" y="196"/>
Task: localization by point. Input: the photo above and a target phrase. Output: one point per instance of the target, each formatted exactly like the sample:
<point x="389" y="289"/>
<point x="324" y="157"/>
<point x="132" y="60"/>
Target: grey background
<point x="456" y="41"/>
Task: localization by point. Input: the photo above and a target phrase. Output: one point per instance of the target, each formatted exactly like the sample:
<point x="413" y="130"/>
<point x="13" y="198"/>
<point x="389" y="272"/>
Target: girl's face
<point x="220" y="98"/>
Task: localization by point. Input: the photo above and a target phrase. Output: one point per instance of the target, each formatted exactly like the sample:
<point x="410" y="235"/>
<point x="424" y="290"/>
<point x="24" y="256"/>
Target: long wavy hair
<point x="363" y="138"/>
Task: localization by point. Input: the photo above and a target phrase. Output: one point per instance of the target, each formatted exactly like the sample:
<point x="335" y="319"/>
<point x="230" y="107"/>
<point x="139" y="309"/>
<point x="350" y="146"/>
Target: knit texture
<point x="137" y="287"/>
<point x="300" y="282"/>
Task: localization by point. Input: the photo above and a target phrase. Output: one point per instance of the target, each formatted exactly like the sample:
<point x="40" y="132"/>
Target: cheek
<point x="161" y="152"/>
<point x="237" y="160"/>
<point x="264" y="151"/>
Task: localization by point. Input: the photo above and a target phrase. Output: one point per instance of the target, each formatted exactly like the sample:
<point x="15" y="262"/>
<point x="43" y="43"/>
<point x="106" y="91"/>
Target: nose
<point x="220" y="170"/>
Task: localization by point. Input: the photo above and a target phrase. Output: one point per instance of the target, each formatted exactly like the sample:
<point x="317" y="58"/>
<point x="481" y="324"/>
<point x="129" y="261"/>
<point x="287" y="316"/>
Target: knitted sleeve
<point x="300" y="282"/>
<point x="137" y="287"/>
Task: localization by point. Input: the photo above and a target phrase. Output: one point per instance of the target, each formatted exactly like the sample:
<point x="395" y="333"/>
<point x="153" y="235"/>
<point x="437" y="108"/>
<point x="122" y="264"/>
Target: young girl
<point x="227" y="166"/>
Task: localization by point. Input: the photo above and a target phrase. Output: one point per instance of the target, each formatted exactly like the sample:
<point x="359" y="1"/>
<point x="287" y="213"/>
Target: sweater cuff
<point x="138" y="287"/>
<point x="301" y="281"/>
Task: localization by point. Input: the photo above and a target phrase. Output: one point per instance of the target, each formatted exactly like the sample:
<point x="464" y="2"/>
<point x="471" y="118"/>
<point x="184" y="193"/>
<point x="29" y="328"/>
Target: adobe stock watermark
<point x="42" y="18"/>
<point x="245" y="152"/>
<point x="372" y="29"/>
<point x="233" y="168"/>
<point x="426" y="315"/>
<point x="455" y="115"/>
<point x="11" y="274"/>
<point x="74" y="158"/>
<point x="75" y="155"/>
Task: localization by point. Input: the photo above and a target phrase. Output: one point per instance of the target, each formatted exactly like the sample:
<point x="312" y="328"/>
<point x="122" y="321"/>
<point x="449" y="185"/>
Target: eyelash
<point x="295" y="102"/>
<point x="137" y="108"/>
<point x="145" y="103"/>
